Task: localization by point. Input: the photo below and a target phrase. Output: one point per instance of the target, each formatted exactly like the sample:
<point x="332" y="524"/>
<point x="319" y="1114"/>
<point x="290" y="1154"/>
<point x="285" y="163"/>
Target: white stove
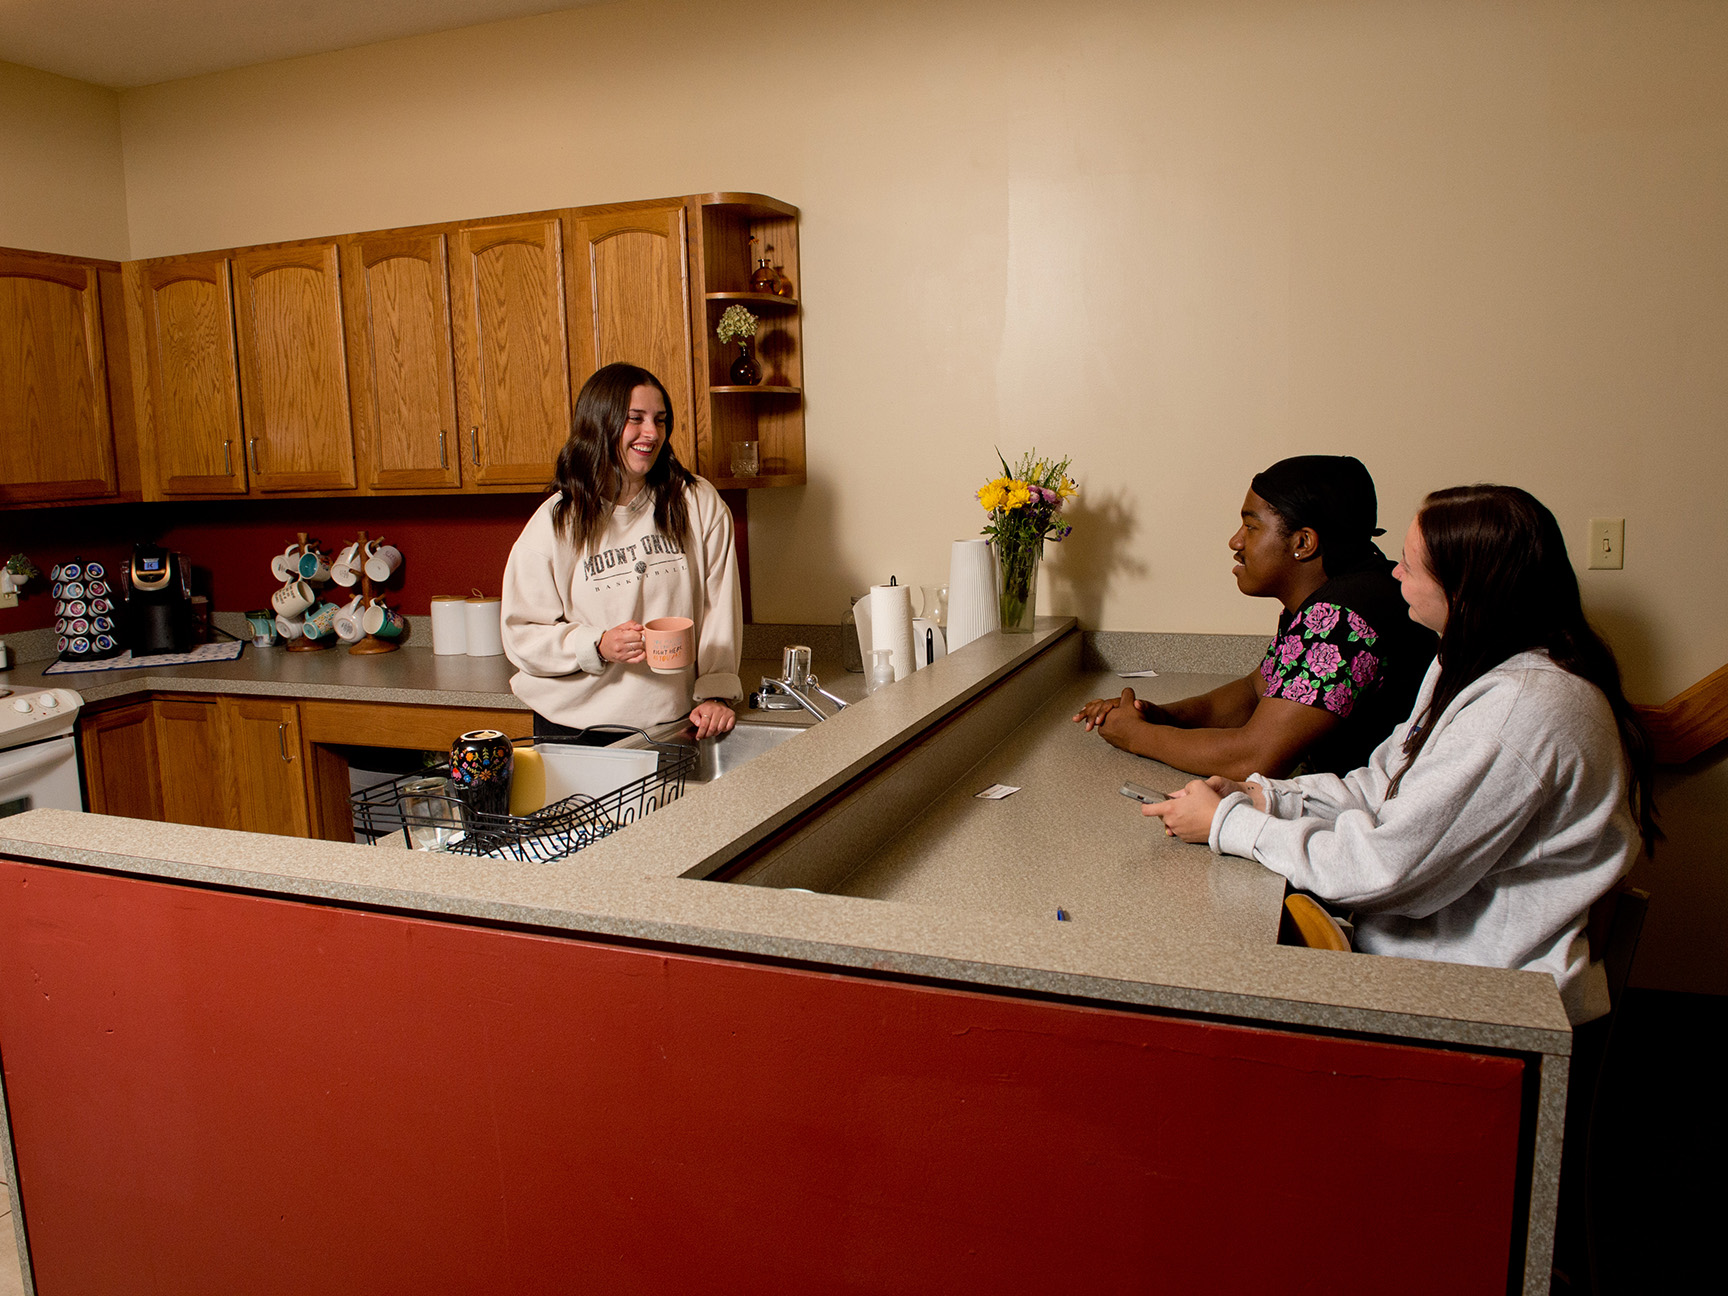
<point x="38" y="755"/>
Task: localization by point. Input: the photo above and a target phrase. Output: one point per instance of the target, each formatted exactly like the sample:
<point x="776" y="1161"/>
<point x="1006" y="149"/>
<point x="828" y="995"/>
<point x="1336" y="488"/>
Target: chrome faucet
<point x="794" y="686"/>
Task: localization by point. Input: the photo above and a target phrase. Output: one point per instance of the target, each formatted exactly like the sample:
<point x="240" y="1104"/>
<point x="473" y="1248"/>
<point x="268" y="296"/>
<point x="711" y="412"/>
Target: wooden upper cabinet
<point x="397" y="293"/>
<point x="293" y="370"/>
<point x="630" y="301"/>
<point x="193" y="431"/>
<point x="56" y="439"/>
<point x="512" y="361"/>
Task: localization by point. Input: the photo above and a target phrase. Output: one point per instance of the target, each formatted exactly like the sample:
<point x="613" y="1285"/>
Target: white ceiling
<point x="140" y="42"/>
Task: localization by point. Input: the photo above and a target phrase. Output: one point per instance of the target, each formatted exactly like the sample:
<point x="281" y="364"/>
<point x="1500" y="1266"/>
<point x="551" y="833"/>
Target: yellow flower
<point x="990" y="496"/>
<point x="1067" y="490"/>
<point x="1019" y="493"/>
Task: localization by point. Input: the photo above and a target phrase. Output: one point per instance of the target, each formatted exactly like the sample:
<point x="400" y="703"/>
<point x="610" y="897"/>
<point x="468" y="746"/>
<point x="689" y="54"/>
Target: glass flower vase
<point x="1017" y="585"/>
<point x="745" y="371"/>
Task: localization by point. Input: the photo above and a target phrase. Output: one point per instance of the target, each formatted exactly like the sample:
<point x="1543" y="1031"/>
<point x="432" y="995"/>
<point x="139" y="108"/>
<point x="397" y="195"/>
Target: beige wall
<point x="1177" y="240"/>
<point x="62" y="186"/>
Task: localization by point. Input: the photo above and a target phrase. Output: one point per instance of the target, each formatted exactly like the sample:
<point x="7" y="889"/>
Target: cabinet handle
<point x="282" y="739"/>
<point x="253" y="443"/>
<point x="443" y="460"/>
<point x="227" y="460"/>
<point x="474" y="440"/>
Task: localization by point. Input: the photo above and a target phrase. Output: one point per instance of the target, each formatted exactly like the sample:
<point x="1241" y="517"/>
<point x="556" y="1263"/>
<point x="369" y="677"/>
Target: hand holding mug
<point x="623" y="643"/>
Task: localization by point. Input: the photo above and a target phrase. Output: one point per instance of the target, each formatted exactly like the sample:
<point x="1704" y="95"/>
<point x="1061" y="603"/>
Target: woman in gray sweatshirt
<point x="1483" y="828"/>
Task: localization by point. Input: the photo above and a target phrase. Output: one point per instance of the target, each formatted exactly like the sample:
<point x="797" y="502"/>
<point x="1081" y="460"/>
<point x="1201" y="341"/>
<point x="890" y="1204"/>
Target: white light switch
<point x="1607" y="544"/>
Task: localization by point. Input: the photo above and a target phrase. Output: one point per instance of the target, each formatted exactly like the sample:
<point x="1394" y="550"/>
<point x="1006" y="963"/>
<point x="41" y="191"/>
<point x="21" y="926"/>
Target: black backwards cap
<point x="1332" y="494"/>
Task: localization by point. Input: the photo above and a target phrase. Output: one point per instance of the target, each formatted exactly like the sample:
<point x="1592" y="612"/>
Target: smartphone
<point x="1144" y="795"/>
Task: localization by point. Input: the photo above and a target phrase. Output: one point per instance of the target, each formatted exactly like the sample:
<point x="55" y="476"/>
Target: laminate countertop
<point x="962" y="891"/>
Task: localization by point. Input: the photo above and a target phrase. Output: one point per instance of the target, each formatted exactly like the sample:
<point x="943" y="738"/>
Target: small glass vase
<point x="1017" y="585"/>
<point x="745" y="371"/>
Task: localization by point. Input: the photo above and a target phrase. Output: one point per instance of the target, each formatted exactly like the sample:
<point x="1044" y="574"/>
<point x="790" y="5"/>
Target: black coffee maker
<point x="159" y="610"/>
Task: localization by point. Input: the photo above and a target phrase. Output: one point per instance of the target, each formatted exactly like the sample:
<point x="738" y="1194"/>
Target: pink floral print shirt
<point x="1321" y="657"/>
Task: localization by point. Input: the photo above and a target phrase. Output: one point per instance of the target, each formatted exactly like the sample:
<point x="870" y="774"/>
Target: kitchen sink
<point x="718" y="757"/>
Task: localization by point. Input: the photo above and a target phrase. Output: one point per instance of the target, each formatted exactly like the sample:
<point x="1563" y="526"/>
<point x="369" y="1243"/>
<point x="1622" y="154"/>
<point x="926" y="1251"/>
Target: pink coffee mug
<point x="669" y="640"/>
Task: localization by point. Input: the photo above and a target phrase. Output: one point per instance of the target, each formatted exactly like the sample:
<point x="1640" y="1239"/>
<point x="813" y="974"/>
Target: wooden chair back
<point x="1306" y="923"/>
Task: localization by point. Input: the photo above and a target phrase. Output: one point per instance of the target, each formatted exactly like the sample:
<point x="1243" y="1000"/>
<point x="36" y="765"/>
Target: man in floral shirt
<point x="1346" y="662"/>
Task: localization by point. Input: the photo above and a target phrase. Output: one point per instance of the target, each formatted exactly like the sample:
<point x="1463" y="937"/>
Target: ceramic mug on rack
<point x="289" y="627"/>
<point x="384" y="622"/>
<point x="314" y="566"/>
<point x="293" y="598"/>
<point x="320" y="622"/>
<point x="382" y="560"/>
<point x="345" y="567"/>
<point x="286" y="564"/>
<point x="263" y="625"/>
<point x="348" y="628"/>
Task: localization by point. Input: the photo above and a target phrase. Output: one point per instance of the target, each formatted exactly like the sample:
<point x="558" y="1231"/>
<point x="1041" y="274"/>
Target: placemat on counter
<point x="210" y="652"/>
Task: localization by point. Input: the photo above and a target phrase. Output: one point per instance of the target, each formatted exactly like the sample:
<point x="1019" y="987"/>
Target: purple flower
<point x="1269" y="673"/>
<point x="1365" y="669"/>
<point x="1324" y="659"/>
<point x="1321" y="618"/>
<point x="1340" y="698"/>
<point x="1289" y="649"/>
<point x="1301" y="689"/>
<point x="1360" y="629"/>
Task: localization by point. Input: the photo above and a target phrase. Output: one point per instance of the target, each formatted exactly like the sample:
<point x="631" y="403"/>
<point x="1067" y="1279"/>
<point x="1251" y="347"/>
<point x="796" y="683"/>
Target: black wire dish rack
<point x="433" y="817"/>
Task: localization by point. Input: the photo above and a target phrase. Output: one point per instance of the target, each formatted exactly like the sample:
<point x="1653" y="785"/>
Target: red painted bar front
<point x="218" y="1093"/>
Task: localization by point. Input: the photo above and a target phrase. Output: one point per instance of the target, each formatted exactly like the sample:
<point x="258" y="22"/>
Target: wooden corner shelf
<point x="754" y="483"/>
<point x="755" y="299"/>
<point x="759" y="387"/>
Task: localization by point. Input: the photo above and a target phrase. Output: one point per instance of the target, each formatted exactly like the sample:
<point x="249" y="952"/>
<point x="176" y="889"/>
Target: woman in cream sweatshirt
<point x="630" y="536"/>
<point x="1484" y="827"/>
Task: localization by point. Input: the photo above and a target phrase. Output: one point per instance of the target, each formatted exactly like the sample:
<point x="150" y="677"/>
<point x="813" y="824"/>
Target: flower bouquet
<point x="1025" y="508"/>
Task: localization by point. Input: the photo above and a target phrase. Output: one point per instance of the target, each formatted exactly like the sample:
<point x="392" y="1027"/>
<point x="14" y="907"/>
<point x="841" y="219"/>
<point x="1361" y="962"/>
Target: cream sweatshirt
<point x="1510" y="824"/>
<point x="559" y="600"/>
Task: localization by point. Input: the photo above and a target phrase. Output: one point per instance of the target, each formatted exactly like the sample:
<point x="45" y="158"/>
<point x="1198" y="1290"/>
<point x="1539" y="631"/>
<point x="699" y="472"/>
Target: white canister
<point x="449" y="624"/>
<point x="484" y="626"/>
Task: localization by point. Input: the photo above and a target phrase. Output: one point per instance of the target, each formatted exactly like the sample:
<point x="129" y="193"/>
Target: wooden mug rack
<point x="370" y="644"/>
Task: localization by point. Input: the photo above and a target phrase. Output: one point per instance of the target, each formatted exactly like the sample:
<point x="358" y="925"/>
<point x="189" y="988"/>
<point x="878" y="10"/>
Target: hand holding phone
<point x="1144" y="795"/>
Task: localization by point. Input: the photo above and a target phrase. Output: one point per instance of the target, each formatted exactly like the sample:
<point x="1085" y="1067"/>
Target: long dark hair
<point x="589" y="475"/>
<point x="1498" y="554"/>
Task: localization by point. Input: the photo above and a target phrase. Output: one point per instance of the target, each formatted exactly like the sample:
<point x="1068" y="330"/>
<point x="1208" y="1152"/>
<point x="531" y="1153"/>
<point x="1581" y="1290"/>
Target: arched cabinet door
<point x="397" y="288"/>
<point x="630" y="301"/>
<point x="56" y="441"/>
<point x="194" y="428"/>
<point x="293" y="370"/>
<point x="512" y="358"/>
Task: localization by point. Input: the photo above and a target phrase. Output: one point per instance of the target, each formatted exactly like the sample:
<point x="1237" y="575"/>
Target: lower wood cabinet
<point x="214" y="762"/>
<point x="259" y="764"/>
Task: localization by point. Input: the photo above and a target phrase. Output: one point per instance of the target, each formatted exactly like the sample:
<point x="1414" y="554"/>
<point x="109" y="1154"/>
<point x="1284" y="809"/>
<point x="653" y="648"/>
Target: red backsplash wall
<point x="449" y="544"/>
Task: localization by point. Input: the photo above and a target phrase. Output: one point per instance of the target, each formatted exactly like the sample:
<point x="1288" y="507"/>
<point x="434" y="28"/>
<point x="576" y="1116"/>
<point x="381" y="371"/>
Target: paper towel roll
<point x="891" y="625"/>
<point x="449" y="624"/>
<point x="484" y="628"/>
<point x="971" y="592"/>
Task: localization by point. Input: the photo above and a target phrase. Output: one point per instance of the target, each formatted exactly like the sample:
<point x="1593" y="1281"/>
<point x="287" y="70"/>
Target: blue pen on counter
<point x="1061" y="915"/>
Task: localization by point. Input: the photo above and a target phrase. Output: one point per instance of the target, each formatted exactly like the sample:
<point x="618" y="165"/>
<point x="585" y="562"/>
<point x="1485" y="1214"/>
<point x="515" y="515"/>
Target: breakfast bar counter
<point x="908" y="1055"/>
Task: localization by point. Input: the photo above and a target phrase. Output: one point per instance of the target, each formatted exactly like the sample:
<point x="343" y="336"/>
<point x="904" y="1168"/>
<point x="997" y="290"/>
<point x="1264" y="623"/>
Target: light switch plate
<point x="1607" y="544"/>
<point x="8" y="599"/>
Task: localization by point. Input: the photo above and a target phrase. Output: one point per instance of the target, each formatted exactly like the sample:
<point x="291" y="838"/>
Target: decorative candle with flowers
<point x="1025" y="508"/>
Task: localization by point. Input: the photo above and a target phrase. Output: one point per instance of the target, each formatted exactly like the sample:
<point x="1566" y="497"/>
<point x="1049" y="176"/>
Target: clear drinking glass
<point x="432" y="813"/>
<point x="746" y="458"/>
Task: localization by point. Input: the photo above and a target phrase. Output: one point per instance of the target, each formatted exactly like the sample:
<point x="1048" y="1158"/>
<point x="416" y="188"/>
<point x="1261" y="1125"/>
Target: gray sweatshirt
<point x="1512" y="821"/>
<point x="559" y="600"/>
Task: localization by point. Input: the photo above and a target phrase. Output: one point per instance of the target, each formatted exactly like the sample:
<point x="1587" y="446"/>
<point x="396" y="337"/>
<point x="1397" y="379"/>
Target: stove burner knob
<point x="50" y="702"/>
<point x="21" y="705"/>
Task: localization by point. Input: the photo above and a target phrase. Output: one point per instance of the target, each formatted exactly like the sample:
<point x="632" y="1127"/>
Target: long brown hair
<point x="589" y="475"/>
<point x="1498" y="554"/>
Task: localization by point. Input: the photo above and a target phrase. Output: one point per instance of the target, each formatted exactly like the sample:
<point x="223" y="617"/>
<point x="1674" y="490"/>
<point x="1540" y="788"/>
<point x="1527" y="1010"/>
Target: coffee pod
<point x="481" y="763"/>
